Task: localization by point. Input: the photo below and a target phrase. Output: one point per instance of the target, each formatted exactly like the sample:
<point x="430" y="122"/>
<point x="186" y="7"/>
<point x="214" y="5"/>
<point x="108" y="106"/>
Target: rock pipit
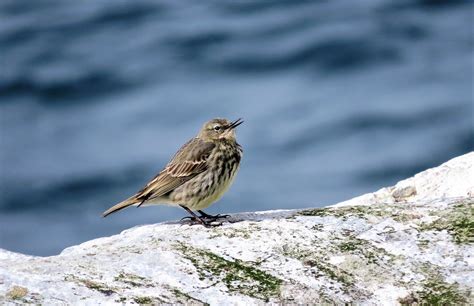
<point x="198" y="174"/>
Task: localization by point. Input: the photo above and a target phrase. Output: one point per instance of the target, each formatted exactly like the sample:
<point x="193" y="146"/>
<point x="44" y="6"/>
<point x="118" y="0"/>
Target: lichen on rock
<point x="238" y="276"/>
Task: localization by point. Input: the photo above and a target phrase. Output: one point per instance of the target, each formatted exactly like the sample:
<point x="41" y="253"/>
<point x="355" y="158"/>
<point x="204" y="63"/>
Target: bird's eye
<point x="217" y="127"/>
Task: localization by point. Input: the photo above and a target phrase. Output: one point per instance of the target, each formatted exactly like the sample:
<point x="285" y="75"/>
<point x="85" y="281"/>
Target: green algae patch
<point x="133" y="280"/>
<point x="351" y="245"/>
<point x="316" y="212"/>
<point x="458" y="222"/>
<point x="360" y="211"/>
<point x="307" y="258"/>
<point x="236" y="275"/>
<point x="357" y="257"/>
<point x="435" y="292"/>
<point x="97" y="286"/>
<point x="186" y="298"/>
<point x="331" y="271"/>
<point x="394" y="211"/>
<point x="143" y="300"/>
<point x="93" y="285"/>
<point x="365" y="250"/>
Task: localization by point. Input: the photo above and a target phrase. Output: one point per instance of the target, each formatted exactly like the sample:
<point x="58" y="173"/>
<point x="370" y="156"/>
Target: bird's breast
<point x="210" y="185"/>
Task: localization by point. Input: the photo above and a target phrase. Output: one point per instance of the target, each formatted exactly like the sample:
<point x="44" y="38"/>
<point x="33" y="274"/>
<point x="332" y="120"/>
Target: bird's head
<point x="219" y="129"/>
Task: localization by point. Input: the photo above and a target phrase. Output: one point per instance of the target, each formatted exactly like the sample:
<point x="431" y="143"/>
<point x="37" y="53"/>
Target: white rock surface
<point x="411" y="243"/>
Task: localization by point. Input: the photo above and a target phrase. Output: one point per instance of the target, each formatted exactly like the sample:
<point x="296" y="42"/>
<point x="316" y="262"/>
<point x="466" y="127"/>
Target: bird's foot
<point x="212" y="217"/>
<point x="203" y="221"/>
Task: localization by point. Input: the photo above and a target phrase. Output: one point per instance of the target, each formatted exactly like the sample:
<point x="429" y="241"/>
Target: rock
<point x="16" y="293"/>
<point x="401" y="193"/>
<point x="411" y="243"/>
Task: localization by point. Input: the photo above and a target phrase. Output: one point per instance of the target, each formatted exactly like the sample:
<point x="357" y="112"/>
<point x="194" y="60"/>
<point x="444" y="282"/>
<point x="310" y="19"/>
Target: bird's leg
<point x="193" y="217"/>
<point x="196" y="219"/>
<point x="211" y="217"/>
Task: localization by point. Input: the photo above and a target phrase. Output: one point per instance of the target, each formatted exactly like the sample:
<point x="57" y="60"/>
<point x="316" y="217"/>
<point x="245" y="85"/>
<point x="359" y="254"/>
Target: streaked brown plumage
<point x="198" y="174"/>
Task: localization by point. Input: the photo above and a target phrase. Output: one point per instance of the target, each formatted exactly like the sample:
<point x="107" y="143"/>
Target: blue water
<point x="339" y="98"/>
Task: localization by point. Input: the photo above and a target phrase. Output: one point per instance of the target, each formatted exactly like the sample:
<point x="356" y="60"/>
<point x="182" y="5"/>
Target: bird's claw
<point x="218" y="216"/>
<point x="213" y="217"/>
<point x="190" y="218"/>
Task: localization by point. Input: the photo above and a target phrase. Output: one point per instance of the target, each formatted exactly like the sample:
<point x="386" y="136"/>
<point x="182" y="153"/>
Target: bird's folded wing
<point x="188" y="162"/>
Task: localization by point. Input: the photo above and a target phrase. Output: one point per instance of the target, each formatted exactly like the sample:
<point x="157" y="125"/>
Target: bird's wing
<point x="188" y="162"/>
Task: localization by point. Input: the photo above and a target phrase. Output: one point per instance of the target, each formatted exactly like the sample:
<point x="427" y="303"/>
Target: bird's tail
<point x="124" y="204"/>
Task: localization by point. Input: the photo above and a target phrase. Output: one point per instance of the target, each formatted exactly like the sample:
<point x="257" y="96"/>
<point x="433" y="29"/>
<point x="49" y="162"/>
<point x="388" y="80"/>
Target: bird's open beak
<point x="235" y="124"/>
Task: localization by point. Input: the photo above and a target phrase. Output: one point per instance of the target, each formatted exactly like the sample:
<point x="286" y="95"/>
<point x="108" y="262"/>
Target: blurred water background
<point x="339" y="98"/>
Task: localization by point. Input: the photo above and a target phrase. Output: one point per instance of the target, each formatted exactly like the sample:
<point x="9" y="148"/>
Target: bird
<point x="198" y="175"/>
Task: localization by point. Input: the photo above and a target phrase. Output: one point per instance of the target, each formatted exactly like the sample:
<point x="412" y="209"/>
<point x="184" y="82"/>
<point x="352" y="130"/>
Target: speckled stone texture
<point x="411" y="243"/>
